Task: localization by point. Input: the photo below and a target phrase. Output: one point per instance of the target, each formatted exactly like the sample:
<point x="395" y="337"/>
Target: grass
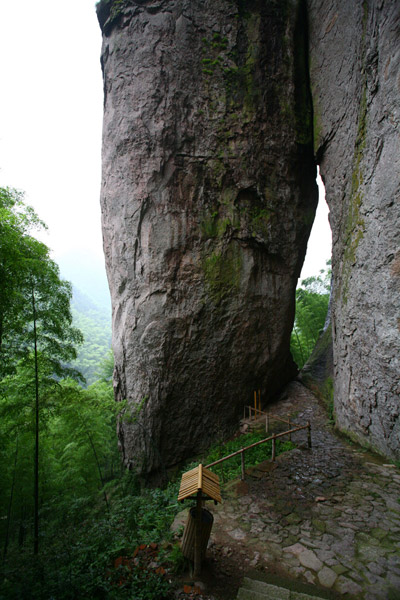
<point x="231" y="469"/>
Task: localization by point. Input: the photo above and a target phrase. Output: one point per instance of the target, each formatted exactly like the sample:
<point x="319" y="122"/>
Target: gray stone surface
<point x="360" y="555"/>
<point x="354" y="70"/>
<point x="265" y="588"/>
<point x="327" y="577"/>
<point x="208" y="196"/>
<point x="253" y="589"/>
<point x="310" y="561"/>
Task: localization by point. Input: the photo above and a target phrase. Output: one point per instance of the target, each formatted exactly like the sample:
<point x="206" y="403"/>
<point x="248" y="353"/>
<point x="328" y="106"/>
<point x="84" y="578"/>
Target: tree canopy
<point x="312" y="300"/>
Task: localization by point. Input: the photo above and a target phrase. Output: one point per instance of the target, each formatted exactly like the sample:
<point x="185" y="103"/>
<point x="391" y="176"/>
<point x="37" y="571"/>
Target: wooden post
<point x="309" y="435"/>
<point x="273" y="448"/>
<point x="197" y="539"/>
<point x="242" y="461"/>
<point x="255" y="404"/>
<point x="266" y="424"/>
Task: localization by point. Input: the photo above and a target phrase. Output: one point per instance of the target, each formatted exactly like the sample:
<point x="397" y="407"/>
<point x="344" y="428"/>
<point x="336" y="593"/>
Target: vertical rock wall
<point x="355" y="80"/>
<point x="208" y="197"/>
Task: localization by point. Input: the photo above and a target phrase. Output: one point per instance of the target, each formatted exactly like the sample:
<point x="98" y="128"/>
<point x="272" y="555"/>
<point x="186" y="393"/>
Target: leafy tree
<point x="37" y="337"/>
<point x="106" y="368"/>
<point x="16" y="245"/>
<point x="95" y="324"/>
<point x="312" y="300"/>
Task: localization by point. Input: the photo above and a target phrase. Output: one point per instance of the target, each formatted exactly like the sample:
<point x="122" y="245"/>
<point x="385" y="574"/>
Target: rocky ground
<point x="328" y="517"/>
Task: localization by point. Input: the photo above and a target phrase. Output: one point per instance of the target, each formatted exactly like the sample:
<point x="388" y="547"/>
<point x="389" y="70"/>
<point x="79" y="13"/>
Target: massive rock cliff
<point x="355" y="80"/>
<point x="208" y="198"/>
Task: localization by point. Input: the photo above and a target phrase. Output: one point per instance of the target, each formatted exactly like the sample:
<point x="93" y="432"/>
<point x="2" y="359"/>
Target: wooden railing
<point x="272" y="438"/>
<point x="255" y="414"/>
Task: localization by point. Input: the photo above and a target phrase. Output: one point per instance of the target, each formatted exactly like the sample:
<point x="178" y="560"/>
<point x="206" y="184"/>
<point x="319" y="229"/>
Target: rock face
<point x="208" y="198"/>
<point x="355" y="58"/>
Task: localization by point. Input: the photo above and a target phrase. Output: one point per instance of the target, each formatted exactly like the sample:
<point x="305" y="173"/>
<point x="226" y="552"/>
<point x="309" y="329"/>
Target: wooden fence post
<point x="273" y="448"/>
<point x="309" y="435"/>
<point x="197" y="539"/>
<point x="266" y="424"/>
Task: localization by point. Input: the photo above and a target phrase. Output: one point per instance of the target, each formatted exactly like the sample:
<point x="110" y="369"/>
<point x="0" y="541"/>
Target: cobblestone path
<point x="329" y="516"/>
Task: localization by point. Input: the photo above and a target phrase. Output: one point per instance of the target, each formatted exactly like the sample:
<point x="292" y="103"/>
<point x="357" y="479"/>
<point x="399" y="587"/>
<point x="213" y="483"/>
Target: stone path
<point x="329" y="516"/>
<point x="252" y="589"/>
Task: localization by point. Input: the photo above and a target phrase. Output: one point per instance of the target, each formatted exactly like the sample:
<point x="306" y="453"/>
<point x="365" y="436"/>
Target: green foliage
<point x="231" y="468"/>
<point x="58" y="447"/>
<point x="179" y="563"/>
<point x="312" y="300"/>
<point x="84" y="539"/>
<point x="34" y="301"/>
<point x="95" y="324"/>
<point x="327" y="394"/>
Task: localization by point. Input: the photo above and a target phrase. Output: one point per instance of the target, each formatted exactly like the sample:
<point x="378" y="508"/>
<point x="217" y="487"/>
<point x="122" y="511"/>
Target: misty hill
<point x="95" y="323"/>
<point x="87" y="273"/>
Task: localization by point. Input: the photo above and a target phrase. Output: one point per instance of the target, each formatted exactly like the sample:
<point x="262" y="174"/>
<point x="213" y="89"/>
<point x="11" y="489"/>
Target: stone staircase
<point x="252" y="589"/>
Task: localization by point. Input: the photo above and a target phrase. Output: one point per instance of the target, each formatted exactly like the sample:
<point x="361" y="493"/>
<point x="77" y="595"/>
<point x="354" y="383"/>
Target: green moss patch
<point x="222" y="271"/>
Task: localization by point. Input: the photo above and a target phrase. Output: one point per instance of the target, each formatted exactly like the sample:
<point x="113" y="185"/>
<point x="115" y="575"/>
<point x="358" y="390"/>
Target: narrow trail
<point x="329" y="516"/>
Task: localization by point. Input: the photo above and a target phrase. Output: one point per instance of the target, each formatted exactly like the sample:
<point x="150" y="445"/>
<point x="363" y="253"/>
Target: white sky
<point x="51" y="118"/>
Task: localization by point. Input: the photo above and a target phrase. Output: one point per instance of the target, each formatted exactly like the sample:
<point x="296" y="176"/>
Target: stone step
<point x="253" y="589"/>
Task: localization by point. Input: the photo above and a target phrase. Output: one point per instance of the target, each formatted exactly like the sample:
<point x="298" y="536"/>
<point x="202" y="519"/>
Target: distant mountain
<point x="91" y="308"/>
<point x="87" y="273"/>
<point x="95" y="323"/>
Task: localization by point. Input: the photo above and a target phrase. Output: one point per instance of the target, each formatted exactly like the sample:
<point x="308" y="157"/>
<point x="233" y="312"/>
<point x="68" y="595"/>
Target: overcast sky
<point x="51" y="118"/>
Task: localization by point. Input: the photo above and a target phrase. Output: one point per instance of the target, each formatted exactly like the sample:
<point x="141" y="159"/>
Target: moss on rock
<point x="222" y="271"/>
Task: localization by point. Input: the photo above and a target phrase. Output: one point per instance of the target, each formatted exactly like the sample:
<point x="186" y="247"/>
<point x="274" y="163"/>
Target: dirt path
<point x="329" y="517"/>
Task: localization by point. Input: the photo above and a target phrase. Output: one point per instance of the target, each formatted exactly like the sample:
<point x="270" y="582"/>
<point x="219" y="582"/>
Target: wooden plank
<point x="191" y="472"/>
<point x="190" y="488"/>
<point x="189" y="476"/>
<point x="188" y="491"/>
<point x="187" y="494"/>
<point x="192" y="481"/>
<point x="197" y="535"/>
<point x="194" y="470"/>
<point x="180" y="498"/>
<point x="211" y="481"/>
<point x="210" y="490"/>
<point x="210" y="474"/>
<point x="210" y="485"/>
<point x="187" y="482"/>
<point x="200" y="478"/>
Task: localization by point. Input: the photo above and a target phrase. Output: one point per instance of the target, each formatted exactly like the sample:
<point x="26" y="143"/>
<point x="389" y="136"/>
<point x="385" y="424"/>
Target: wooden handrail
<point x="273" y="437"/>
<point x="251" y="409"/>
